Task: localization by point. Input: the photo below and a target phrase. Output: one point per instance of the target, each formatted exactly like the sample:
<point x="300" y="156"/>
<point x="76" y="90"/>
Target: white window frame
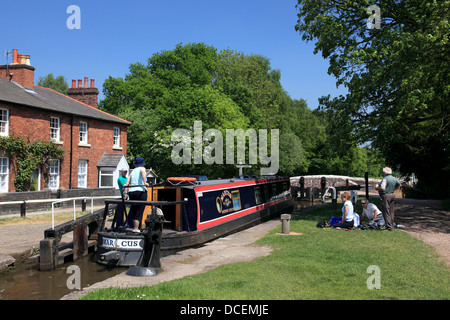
<point x="54" y="172"/>
<point x="116" y="137"/>
<point x="4" y="122"/>
<point x="82" y="173"/>
<point x="102" y="173"/>
<point x="83" y="132"/>
<point x="55" y="128"/>
<point x="4" y="174"/>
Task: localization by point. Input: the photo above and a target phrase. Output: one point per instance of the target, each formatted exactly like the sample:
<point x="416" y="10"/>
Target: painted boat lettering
<point x="121" y="243"/>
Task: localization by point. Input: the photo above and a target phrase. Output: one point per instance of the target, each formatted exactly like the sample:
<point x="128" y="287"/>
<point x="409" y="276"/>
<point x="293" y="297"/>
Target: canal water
<point x="26" y="282"/>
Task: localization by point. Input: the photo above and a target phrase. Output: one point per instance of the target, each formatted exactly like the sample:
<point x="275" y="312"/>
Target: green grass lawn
<point x="319" y="264"/>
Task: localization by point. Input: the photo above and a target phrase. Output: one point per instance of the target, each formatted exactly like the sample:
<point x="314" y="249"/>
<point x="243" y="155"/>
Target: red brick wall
<point x="35" y="124"/>
<point x="22" y="74"/>
<point x="86" y="95"/>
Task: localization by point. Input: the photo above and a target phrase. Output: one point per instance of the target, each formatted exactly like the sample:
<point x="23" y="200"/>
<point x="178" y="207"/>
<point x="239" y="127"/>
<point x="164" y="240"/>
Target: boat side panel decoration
<point x="219" y="204"/>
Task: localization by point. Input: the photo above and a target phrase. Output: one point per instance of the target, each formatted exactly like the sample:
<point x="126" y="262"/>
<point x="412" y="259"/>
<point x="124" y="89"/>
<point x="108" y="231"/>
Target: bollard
<point x="83" y="205"/>
<point x="23" y="209"/>
<point x="285" y="223"/>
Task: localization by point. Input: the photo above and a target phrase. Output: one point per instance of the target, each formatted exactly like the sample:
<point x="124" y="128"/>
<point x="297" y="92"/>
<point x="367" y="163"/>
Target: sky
<point x="113" y="34"/>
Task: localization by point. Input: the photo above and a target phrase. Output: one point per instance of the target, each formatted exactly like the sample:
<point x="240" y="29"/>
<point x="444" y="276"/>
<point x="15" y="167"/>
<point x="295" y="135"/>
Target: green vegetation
<point x="397" y="76"/>
<point x="58" y="84"/>
<point x="28" y="155"/>
<point x="225" y="90"/>
<point x="319" y="264"/>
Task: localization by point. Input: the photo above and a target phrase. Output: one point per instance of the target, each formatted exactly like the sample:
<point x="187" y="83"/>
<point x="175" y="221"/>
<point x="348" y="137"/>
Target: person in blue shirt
<point x="137" y="191"/>
<point x="347" y="212"/>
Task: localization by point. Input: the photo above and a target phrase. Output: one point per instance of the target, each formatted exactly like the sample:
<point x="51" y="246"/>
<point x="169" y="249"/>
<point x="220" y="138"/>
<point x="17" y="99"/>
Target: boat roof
<point x="192" y="185"/>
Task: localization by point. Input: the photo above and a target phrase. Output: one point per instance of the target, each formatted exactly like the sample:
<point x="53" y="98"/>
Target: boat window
<point x="219" y="204"/>
<point x="266" y="193"/>
<point x="274" y="191"/>
<point x="236" y="200"/>
<point x="257" y="195"/>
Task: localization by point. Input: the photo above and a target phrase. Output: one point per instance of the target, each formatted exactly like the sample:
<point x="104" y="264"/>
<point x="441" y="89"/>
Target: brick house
<point x="90" y="137"/>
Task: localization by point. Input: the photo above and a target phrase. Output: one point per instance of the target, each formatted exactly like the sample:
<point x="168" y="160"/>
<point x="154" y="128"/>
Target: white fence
<point x="55" y="201"/>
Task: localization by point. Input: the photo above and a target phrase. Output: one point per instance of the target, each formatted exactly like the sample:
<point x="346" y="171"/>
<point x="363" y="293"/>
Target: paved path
<point x="22" y="239"/>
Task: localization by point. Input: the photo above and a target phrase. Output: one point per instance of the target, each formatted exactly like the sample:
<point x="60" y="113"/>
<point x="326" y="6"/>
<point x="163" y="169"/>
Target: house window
<point x="236" y="200"/>
<point x="35" y="184"/>
<point x="106" y="178"/>
<point x="82" y="173"/>
<point x="116" y="137"/>
<point x="4" y="122"/>
<point x="83" y="132"/>
<point x="4" y="171"/>
<point x="53" y="174"/>
<point x="54" y="129"/>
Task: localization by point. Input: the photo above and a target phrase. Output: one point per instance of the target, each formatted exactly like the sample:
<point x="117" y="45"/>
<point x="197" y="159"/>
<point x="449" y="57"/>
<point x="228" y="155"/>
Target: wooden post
<point x="23" y="209"/>
<point x="48" y="255"/>
<point x="80" y="240"/>
<point x="83" y="205"/>
<point x="366" y="178"/>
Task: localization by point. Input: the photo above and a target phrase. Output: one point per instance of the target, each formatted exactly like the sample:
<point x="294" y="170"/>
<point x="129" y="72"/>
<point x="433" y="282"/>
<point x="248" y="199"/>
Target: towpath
<point x="20" y="240"/>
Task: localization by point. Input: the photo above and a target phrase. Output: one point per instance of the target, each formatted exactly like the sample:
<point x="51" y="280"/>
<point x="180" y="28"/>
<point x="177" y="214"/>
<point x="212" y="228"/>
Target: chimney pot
<point x="85" y="82"/>
<point x="79" y="83"/>
<point x="74" y="83"/>
<point x="92" y="83"/>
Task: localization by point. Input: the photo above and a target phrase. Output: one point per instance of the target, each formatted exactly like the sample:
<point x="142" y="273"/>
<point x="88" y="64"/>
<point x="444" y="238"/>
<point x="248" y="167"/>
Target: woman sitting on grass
<point x="347" y="212"/>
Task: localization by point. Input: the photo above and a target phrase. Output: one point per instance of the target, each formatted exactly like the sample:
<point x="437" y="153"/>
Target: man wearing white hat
<point x="386" y="190"/>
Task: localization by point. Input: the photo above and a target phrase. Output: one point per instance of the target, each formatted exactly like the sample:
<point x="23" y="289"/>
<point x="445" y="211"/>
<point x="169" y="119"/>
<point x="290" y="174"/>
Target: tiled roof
<point x="50" y="100"/>
<point x="110" y="160"/>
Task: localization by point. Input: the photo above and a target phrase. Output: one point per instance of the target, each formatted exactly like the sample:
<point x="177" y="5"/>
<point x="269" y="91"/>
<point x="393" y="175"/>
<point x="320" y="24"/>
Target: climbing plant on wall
<point x="26" y="156"/>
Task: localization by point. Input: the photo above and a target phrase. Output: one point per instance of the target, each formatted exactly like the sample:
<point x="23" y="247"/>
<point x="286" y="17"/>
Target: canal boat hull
<point x="232" y="206"/>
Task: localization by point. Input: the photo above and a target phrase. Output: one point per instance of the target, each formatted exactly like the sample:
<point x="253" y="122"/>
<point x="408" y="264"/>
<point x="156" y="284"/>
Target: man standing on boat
<point x="137" y="191"/>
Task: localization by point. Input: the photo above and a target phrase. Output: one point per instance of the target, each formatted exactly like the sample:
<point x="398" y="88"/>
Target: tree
<point x="171" y="92"/>
<point x="58" y="84"/>
<point x="397" y="78"/>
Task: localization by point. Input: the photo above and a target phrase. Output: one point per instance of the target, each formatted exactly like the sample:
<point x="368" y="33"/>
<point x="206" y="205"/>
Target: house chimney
<point x="20" y="71"/>
<point x="85" y="94"/>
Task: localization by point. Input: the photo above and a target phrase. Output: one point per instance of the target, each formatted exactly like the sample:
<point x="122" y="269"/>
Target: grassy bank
<point x="42" y="218"/>
<point x="319" y="264"/>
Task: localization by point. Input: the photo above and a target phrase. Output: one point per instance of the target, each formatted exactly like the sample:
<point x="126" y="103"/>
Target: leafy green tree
<point x="58" y="84"/>
<point x="397" y="77"/>
<point x="224" y="90"/>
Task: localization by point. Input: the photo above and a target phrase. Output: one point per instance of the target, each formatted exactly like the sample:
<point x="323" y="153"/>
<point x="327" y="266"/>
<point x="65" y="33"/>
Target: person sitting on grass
<point x="372" y="213"/>
<point x="347" y="212"/>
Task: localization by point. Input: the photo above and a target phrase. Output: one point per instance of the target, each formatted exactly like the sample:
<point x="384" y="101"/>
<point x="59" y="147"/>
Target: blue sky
<point x="114" y="34"/>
